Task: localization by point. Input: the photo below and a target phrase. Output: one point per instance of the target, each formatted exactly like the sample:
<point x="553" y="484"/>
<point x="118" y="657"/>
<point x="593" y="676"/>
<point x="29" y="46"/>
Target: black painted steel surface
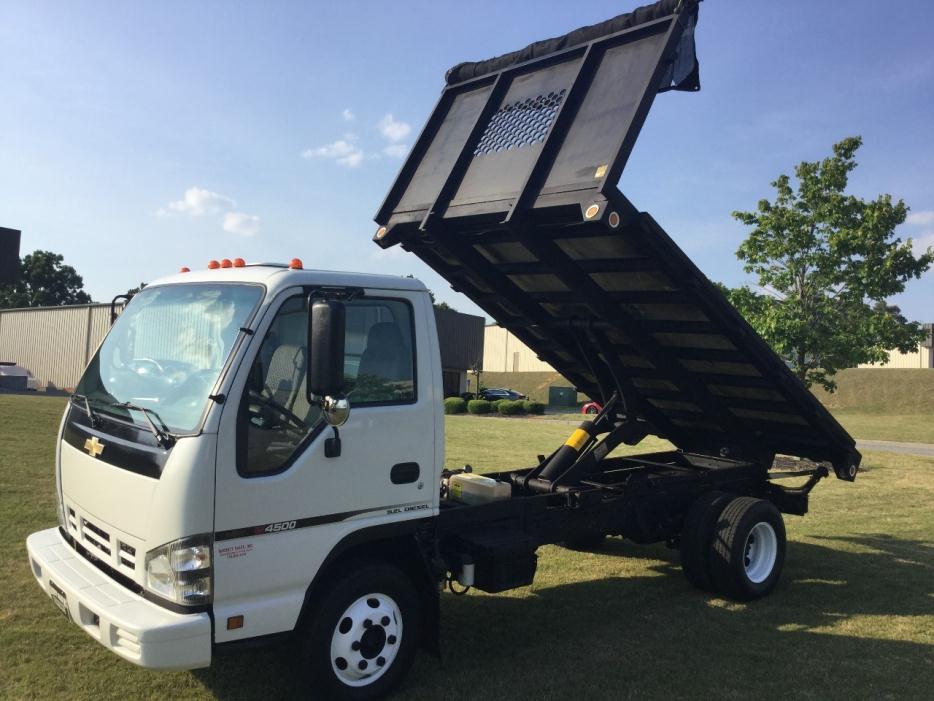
<point x="510" y="194"/>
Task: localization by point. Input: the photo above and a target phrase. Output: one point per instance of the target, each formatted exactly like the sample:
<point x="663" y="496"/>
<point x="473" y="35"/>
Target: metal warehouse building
<point x="56" y="343"/>
<point x="503" y="352"/>
<point x="923" y="357"/>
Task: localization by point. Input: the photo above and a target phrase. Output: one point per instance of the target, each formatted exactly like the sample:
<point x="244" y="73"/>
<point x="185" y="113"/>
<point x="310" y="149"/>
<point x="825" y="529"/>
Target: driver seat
<point x="285" y="374"/>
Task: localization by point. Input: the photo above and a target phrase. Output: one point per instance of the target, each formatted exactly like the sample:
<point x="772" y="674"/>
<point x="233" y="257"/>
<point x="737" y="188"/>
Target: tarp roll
<point x="683" y="75"/>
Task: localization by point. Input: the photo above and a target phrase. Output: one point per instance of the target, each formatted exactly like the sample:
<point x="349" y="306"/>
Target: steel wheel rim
<point x="366" y="640"/>
<point x="760" y="552"/>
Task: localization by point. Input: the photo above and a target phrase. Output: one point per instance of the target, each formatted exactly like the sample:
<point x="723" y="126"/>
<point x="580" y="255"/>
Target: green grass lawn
<point x="914" y="427"/>
<point x="853" y="616"/>
<point x="869" y="425"/>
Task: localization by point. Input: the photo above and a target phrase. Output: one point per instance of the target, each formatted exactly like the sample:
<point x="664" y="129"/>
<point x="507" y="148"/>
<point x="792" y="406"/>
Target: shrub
<point x="533" y="407"/>
<point x="497" y="404"/>
<point x="479" y="406"/>
<point x="454" y="405"/>
<point x="508" y="408"/>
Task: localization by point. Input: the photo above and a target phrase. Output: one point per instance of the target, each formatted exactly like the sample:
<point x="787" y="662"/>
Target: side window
<point x="379" y="362"/>
<point x="276" y="420"/>
<point x="275" y="415"/>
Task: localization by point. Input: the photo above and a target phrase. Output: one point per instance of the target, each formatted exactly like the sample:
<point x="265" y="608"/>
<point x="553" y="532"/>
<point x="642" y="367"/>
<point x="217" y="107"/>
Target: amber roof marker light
<point x="296" y="264"/>
<point x="213" y="265"/>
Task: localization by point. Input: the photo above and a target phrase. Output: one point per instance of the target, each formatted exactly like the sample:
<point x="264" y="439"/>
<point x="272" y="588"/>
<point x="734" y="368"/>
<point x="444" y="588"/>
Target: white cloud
<point x="396" y="150"/>
<point x="920" y="243"/>
<point x="197" y="201"/>
<point x="343" y="152"/>
<point x="241" y="223"/>
<point x="348" y="115"/>
<point x="924" y="218"/>
<point x="392" y="129"/>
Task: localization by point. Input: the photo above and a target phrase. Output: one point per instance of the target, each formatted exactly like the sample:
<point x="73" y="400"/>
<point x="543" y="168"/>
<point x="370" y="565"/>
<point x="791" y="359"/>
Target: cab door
<point x="281" y="504"/>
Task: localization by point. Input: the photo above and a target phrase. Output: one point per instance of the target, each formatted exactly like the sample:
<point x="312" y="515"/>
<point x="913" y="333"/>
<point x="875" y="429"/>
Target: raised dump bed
<point x="510" y="193"/>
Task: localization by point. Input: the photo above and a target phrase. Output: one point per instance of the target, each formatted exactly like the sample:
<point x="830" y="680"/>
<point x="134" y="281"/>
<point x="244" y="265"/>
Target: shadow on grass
<point x="835" y="627"/>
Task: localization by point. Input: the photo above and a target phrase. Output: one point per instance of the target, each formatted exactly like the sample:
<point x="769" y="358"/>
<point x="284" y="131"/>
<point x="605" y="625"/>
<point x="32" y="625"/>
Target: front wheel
<point x="364" y="633"/>
<point x="748" y="549"/>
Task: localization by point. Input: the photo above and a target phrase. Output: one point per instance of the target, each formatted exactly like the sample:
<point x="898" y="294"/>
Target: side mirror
<point x="326" y="323"/>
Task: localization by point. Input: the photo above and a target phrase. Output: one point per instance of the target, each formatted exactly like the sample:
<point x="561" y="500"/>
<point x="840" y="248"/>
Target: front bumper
<point x="124" y="622"/>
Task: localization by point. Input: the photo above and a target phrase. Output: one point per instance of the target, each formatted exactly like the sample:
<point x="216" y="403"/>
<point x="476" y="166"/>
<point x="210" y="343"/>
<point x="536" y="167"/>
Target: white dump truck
<point x="255" y="452"/>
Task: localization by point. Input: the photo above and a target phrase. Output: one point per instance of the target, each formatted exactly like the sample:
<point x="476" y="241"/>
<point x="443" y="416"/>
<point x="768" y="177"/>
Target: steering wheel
<point x="273" y="405"/>
<point x="134" y="366"/>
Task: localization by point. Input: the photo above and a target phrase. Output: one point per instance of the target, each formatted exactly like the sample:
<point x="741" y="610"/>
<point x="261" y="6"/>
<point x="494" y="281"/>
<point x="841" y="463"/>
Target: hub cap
<point x="366" y="640"/>
<point x="761" y="552"/>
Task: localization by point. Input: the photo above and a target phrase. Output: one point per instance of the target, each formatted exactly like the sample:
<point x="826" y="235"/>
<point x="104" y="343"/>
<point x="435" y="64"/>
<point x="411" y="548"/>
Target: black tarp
<point x="684" y="75"/>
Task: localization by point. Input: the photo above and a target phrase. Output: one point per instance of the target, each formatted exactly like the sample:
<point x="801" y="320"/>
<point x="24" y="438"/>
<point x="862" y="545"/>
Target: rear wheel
<point x="697" y="537"/>
<point x="364" y="634"/>
<point x="748" y="549"/>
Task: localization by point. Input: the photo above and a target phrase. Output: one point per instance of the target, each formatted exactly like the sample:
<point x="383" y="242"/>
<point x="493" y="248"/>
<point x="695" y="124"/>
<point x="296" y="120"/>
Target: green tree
<point x="826" y="261"/>
<point x="43" y="281"/>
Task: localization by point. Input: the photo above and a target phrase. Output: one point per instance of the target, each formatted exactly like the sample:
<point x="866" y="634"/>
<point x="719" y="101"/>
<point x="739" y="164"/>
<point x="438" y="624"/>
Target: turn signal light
<point x="296" y="264"/>
<point x="213" y="265"/>
<point x="239" y="262"/>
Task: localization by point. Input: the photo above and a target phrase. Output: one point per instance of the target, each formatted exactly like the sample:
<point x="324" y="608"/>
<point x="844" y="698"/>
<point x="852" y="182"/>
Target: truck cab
<point x="201" y="488"/>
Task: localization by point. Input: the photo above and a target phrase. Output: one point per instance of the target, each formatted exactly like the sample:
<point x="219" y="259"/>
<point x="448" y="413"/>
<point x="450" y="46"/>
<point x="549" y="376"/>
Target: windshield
<point x="165" y="353"/>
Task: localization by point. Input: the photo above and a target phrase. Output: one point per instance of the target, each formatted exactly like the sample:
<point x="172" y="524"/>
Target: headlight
<point x="181" y="570"/>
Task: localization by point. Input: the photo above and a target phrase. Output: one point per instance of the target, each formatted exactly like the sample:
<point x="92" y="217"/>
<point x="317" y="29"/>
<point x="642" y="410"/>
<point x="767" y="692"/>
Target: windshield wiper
<point x="95" y="420"/>
<point x="163" y="437"/>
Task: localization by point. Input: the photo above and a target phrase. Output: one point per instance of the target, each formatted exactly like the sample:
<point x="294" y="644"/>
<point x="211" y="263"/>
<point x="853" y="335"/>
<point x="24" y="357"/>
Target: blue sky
<point x="136" y="138"/>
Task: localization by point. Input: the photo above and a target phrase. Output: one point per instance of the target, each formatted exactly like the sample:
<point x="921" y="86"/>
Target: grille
<point x="95" y="536"/>
<point x="521" y="123"/>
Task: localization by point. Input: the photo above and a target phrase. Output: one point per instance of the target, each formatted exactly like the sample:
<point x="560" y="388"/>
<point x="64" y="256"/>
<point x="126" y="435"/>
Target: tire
<point x="362" y="637"/>
<point x="697" y="537"/>
<point x="585" y="541"/>
<point x="748" y="549"/>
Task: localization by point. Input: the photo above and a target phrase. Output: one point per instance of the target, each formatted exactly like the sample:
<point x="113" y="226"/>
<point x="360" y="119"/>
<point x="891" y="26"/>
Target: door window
<point x="276" y="419"/>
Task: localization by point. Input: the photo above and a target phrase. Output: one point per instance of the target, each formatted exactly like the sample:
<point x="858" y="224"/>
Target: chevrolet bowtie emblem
<point x="93" y="446"/>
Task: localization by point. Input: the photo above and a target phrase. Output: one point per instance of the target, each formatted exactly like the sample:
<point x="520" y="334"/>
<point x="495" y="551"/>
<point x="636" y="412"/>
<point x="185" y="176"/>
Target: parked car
<point x="16" y="377"/>
<point x="591" y="408"/>
<point x="495" y="393"/>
